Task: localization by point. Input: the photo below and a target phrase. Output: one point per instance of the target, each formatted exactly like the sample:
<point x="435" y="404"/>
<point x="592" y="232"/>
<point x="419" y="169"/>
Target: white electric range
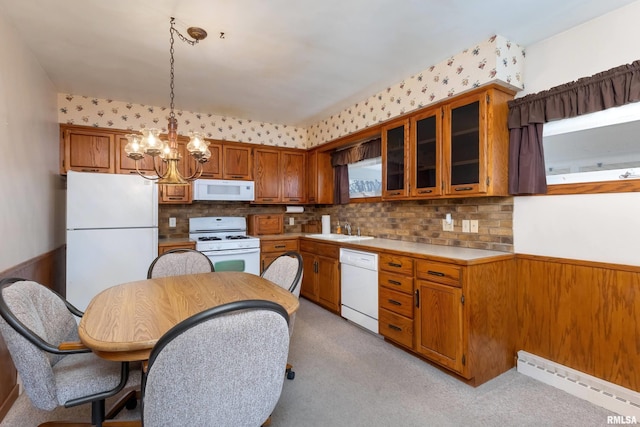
<point x="224" y="240"/>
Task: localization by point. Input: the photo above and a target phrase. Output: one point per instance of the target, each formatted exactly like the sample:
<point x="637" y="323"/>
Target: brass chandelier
<point x="150" y="144"/>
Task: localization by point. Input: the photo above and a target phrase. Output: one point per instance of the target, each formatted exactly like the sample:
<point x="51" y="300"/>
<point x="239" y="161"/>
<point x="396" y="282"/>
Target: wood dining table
<point x="124" y="322"/>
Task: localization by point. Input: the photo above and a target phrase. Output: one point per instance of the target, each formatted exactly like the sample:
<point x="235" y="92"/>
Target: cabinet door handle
<point x="395" y="264"/>
<point x="425" y="191"/>
<point x="394" y="327"/>
<point x="394" y="282"/>
<point x="267" y="200"/>
<point x="174" y="198"/>
<point x="294" y="200"/>
<point x="89" y="170"/>
<point x="463" y="188"/>
<point x="417" y="297"/>
<point x="435" y="273"/>
<point x="280" y="246"/>
<point x="237" y="176"/>
<point x="395" y="193"/>
<point x="394" y="302"/>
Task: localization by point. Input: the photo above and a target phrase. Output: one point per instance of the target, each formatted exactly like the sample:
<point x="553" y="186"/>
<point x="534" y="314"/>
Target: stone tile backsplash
<point x="413" y="221"/>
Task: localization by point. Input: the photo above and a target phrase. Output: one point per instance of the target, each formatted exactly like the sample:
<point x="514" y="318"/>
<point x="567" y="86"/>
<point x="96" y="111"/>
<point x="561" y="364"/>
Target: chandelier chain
<point x="172" y="30"/>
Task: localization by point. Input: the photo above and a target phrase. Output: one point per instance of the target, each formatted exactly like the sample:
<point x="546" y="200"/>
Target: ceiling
<point x="281" y="61"/>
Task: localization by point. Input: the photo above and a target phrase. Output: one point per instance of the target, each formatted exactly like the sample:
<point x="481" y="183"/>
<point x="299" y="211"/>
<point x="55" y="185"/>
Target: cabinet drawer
<point x="321" y="249"/>
<point x="438" y="272"/>
<point x="279" y="245"/>
<point x="396" y="282"/>
<point x="396" y="302"/>
<point x="396" y="327"/>
<point x="396" y="264"/>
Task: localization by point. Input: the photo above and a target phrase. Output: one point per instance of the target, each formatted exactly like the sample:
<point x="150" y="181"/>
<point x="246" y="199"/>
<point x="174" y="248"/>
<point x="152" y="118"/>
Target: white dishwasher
<point x="359" y="284"/>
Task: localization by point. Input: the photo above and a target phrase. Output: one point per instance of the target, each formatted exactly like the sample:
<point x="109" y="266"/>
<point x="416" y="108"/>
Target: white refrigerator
<point x="112" y="232"/>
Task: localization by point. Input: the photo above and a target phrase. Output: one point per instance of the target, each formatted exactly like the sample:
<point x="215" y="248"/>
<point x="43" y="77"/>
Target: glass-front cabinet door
<point x="426" y="136"/>
<point x="465" y="145"/>
<point x="394" y="160"/>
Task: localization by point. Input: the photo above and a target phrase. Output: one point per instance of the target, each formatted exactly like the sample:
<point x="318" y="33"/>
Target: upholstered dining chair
<point x="220" y="367"/>
<point x="179" y="261"/>
<point x="286" y="272"/>
<point x="41" y="334"/>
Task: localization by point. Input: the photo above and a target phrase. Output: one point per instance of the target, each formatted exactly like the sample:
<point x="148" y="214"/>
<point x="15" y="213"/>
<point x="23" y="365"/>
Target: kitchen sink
<point x="339" y="237"/>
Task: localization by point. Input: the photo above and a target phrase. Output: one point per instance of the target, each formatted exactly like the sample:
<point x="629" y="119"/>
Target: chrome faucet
<point x="347" y="227"/>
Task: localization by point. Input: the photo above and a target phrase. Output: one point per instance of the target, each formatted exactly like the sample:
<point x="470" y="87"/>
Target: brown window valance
<point x="357" y="153"/>
<point x="340" y="159"/>
<point x="612" y="88"/>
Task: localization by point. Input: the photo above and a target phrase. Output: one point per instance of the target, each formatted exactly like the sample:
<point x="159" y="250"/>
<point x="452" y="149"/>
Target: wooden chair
<point x="41" y="333"/>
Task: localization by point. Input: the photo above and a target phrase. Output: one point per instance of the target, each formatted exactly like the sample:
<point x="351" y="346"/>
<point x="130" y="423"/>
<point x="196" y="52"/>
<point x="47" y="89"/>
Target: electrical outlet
<point x="465" y="226"/>
<point x="172" y="222"/>
<point x="291" y="221"/>
<point x="474" y="225"/>
<point x="447" y="227"/>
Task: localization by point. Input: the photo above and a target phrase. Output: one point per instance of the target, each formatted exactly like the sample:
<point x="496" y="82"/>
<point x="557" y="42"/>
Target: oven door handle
<point x="232" y="251"/>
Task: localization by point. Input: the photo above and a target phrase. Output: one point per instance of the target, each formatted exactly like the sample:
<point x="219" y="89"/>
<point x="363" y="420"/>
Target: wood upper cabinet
<point x="426" y="153"/>
<point x="87" y="150"/>
<point x="126" y="165"/>
<point x="476" y="144"/>
<point x="237" y="162"/>
<point x="267" y="175"/>
<point x="395" y="150"/>
<point x="213" y="168"/>
<point x="459" y="147"/>
<point x="319" y="178"/>
<point x="293" y="178"/>
<point x="279" y="175"/>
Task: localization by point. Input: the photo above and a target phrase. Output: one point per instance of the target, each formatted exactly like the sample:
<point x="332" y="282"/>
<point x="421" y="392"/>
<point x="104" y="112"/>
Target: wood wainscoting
<point x="581" y="314"/>
<point x="49" y="270"/>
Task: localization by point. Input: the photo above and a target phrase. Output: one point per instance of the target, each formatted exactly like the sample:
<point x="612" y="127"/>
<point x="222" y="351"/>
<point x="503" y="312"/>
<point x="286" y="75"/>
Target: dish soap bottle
<point x="338" y="229"/>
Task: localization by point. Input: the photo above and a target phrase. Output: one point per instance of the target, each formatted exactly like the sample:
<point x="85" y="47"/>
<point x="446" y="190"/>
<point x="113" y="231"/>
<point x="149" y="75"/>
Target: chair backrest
<point x="286" y="272"/>
<point x="29" y="308"/>
<point x="179" y="261"/>
<point x="223" y="366"/>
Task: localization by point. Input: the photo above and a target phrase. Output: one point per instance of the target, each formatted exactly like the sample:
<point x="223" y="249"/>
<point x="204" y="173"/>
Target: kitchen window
<point x="598" y="147"/>
<point x="365" y="178"/>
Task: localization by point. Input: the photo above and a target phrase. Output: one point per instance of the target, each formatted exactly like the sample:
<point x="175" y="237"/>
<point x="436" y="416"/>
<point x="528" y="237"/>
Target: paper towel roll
<point x="295" y="209"/>
<point x="326" y="224"/>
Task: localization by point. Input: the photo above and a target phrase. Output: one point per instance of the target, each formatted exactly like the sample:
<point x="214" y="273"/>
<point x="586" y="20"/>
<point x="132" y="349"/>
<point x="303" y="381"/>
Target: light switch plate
<point x="291" y="221"/>
<point x="447" y="227"/>
<point x="474" y="225"/>
<point x="465" y="225"/>
<point x="172" y="222"/>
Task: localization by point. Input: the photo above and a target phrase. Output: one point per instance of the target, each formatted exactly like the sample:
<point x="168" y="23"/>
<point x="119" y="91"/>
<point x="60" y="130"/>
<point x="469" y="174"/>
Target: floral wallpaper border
<point x="493" y="60"/>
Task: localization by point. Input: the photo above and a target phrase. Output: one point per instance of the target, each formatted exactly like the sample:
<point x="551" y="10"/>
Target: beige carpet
<point x="346" y="376"/>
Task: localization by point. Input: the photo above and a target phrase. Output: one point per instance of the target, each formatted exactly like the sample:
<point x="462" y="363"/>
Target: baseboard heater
<point x="595" y="390"/>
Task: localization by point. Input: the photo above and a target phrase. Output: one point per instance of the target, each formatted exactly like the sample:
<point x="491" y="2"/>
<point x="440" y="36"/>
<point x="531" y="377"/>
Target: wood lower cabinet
<point x="395" y="298"/>
<point x="465" y="316"/>
<point x="321" y="279"/>
<point x="170" y="245"/>
<point x="272" y="249"/>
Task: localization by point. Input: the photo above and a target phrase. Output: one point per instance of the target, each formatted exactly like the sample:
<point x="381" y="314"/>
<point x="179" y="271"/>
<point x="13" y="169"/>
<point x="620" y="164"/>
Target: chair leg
<point x="97" y="412"/>
<point x="289" y="372"/>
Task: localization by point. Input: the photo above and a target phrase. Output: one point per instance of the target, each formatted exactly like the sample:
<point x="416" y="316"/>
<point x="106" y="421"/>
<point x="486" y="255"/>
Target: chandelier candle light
<point x="149" y="142"/>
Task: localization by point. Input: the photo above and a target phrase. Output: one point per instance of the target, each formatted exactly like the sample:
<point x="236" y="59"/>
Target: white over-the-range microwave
<point x="221" y="189"/>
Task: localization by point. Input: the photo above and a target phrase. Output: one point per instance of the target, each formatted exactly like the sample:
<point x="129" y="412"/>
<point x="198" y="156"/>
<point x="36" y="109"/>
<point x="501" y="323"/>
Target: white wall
<point x="31" y="199"/>
<point x="594" y="227"/>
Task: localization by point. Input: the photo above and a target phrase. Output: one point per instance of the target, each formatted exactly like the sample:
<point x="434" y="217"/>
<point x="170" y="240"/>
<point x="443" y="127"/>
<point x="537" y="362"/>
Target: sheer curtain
<point x="342" y="158"/>
<point x="611" y="88"/>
